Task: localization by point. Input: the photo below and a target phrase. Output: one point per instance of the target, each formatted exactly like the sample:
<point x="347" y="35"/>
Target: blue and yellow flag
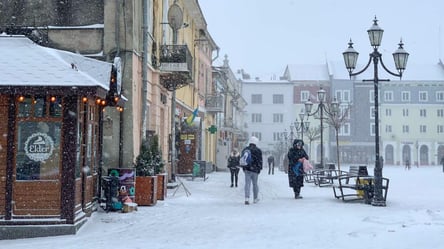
<point x="191" y="118"/>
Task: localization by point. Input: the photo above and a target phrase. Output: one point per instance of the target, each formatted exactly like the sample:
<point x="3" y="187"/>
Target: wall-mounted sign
<point x="174" y="67"/>
<point x="39" y="146"/>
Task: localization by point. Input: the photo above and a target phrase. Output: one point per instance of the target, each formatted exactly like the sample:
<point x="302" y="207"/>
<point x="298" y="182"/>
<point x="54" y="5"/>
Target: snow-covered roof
<point x="24" y="63"/>
<point x="297" y="72"/>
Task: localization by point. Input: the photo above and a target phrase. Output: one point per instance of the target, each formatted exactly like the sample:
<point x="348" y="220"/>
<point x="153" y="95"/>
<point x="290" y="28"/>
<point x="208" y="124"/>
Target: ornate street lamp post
<point x="321" y="109"/>
<point x="350" y="58"/>
<point x="300" y="126"/>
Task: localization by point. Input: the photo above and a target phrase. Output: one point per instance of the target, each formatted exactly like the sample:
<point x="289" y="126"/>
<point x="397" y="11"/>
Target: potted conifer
<point x="148" y="164"/>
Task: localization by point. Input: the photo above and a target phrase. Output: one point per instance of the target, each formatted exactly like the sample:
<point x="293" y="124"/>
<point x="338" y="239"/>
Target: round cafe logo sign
<point x="39" y="146"/>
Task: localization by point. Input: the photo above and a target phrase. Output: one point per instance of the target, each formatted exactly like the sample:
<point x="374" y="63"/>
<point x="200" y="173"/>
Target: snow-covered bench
<point x="357" y="185"/>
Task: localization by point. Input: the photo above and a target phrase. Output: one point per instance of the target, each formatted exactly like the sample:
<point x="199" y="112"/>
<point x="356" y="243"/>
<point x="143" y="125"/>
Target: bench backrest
<point x="318" y="166"/>
<point x="358" y="171"/>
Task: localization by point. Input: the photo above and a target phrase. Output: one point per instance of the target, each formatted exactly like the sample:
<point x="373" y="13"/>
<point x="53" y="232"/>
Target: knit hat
<point x="253" y="140"/>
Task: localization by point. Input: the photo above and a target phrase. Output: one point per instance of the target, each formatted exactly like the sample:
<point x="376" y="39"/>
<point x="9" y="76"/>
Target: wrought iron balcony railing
<point x="176" y="65"/>
<point x="175" y="58"/>
<point x="214" y="103"/>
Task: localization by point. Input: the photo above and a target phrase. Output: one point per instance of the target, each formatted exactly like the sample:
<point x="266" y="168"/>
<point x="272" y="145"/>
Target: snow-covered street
<point x="214" y="216"/>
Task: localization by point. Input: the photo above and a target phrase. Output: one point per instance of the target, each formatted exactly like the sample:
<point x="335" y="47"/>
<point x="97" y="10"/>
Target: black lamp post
<point x="321" y="109"/>
<point x="400" y="56"/>
<point x="301" y="125"/>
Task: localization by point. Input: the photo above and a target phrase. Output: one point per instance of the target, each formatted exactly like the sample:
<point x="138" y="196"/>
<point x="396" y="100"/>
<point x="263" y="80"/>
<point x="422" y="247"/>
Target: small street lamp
<point x="321" y="109"/>
<point x="350" y="58"/>
<point x="301" y="126"/>
<point x="285" y="137"/>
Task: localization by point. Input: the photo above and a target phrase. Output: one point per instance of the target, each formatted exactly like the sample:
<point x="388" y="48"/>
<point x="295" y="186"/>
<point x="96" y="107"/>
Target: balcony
<point x="176" y="65"/>
<point x="214" y="103"/>
<point x="175" y="58"/>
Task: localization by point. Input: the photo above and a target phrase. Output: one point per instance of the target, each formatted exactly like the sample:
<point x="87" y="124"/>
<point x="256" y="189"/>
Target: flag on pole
<point x="191" y="118"/>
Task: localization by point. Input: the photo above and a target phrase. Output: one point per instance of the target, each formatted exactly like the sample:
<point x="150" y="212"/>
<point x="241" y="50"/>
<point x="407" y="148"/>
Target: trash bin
<point x="196" y="169"/>
<point x="110" y="185"/>
<point x="199" y="168"/>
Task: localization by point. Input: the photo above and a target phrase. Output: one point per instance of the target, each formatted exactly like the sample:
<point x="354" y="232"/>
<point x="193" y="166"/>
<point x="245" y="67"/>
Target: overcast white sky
<point x="263" y="36"/>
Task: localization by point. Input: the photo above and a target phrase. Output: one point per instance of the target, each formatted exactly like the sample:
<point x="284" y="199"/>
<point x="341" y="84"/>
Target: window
<point x="440" y="96"/>
<point x="388" y="96"/>
<point x="405" y="96"/>
<point x="422" y="128"/>
<point x="278" y="99"/>
<point x="388" y="128"/>
<point x="276" y="136"/>
<point x="278" y="118"/>
<point x="372" y="96"/>
<point x="423" y="113"/>
<point x="344" y="130"/>
<point x="342" y="95"/>
<point x="440" y="113"/>
<point x="256" y="118"/>
<point x="305" y="95"/>
<point x="372" y="112"/>
<point x="39" y="125"/>
<point x="344" y="111"/>
<point x="345" y="96"/>
<point x="372" y="129"/>
<point x="440" y="129"/>
<point x="405" y="112"/>
<point x="388" y="112"/>
<point x="256" y="99"/>
<point x="423" y="97"/>
<point x="405" y="129"/>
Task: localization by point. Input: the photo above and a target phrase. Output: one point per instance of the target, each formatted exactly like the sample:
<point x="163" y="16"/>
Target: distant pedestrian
<point x="407" y="164"/>
<point x="296" y="157"/>
<point x="233" y="165"/>
<point x="442" y="162"/>
<point x="271" y="164"/>
<point x="285" y="163"/>
<point x="252" y="169"/>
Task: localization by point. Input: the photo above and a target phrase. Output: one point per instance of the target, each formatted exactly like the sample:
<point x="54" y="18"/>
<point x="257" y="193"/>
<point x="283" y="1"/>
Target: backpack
<point x="245" y="159"/>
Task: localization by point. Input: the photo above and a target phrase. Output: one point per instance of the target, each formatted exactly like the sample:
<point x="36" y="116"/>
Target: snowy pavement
<point x="214" y="216"/>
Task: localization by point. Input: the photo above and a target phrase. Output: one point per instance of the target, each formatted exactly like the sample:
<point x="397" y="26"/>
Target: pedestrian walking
<point x="233" y="165"/>
<point x="407" y="164"/>
<point x="271" y="164"/>
<point x="296" y="157"/>
<point x="442" y="162"/>
<point x="251" y="161"/>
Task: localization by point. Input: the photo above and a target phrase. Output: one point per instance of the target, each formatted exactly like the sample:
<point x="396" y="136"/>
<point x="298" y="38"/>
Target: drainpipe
<point x="144" y="67"/>
<point x="121" y="116"/>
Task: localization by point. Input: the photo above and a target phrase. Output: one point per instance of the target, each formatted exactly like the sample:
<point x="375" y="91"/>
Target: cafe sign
<point x="39" y="146"/>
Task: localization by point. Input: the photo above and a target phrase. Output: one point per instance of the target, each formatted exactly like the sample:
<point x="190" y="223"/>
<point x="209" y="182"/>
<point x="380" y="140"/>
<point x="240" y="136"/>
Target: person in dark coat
<point x="271" y="164"/>
<point x="296" y="155"/>
<point x="252" y="170"/>
<point x="233" y="165"/>
<point x="442" y="162"/>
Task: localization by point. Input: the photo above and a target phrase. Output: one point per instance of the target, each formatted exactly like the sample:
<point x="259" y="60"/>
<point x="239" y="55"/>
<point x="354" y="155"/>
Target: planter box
<point x="146" y="190"/>
<point x="161" y="186"/>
